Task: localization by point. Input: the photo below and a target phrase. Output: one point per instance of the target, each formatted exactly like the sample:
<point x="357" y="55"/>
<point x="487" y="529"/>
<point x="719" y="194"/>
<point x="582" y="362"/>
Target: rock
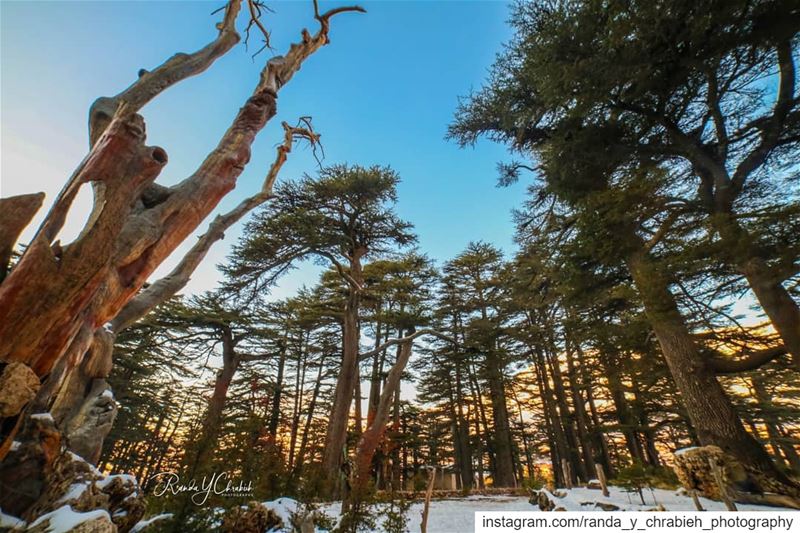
<point x="542" y="499"/>
<point x="26" y="463"/>
<point x="252" y="518"/>
<point x="594" y="484"/>
<point x="67" y="519"/>
<point x="75" y="482"/>
<point x="125" y="500"/>
<point x="18" y="385"/>
<point x="606" y="506"/>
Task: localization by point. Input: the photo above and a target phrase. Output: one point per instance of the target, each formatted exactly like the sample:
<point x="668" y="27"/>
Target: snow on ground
<point x="630" y="501"/>
<point x="446" y="516"/>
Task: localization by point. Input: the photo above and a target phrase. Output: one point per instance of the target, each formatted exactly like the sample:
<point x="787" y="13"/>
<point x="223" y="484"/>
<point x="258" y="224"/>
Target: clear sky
<point x="382" y="92"/>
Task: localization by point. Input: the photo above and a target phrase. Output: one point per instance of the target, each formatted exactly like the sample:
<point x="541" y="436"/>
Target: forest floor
<point x="458" y="514"/>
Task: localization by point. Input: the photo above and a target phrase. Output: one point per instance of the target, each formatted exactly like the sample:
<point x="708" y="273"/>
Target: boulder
<point x="18" y="385"/>
<point x="594" y="484"/>
<point x="543" y="500"/>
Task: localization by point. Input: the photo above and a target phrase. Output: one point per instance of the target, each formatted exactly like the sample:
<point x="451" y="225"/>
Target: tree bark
<point x="275" y="411"/>
<point x="17" y="214"/>
<point x="57" y="296"/>
<point x="504" y="462"/>
<point x="765" y="282"/>
<point x="336" y="436"/>
<point x="368" y="443"/>
<point x="709" y="408"/>
<point x="580" y="414"/>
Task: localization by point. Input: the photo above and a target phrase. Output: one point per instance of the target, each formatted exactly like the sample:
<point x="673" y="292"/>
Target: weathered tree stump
<point x="254" y="518"/>
<point x="746" y="485"/>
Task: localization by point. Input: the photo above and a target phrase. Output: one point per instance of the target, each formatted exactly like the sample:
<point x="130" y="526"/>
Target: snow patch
<point x="684" y="450"/>
<point x="65" y="518"/>
<point x="74" y="492"/>
<point x="108" y="393"/>
<point x="76" y="457"/>
<point x="10" y="522"/>
<point x="43" y="416"/>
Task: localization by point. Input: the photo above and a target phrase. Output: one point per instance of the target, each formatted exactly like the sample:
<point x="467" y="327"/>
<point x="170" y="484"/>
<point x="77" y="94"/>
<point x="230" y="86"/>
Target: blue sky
<point x="382" y="92"/>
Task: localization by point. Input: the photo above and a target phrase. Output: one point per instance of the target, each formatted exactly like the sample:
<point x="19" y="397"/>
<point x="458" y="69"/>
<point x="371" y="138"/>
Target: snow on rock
<point x="684" y="450"/>
<point x="43" y="416"/>
<point x="107" y="480"/>
<point x="583" y="499"/>
<point x="74" y="491"/>
<point x="66" y="519"/>
<point x="139" y="526"/>
<point x="284" y="508"/>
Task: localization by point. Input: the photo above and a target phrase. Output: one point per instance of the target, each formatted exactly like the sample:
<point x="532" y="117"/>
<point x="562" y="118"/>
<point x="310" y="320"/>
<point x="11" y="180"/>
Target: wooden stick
<point x="423" y="527"/>
<point x="567" y="474"/>
<point x="696" y="500"/>
<point x="601" y="476"/>
<point x="723" y="489"/>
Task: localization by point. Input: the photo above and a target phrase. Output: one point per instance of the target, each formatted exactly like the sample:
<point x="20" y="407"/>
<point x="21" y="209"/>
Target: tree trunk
<point x="375" y="375"/>
<point x="709" y="408"/>
<point x="578" y="469"/>
<point x="301" y="453"/>
<point x="782" y="310"/>
<point x="462" y="424"/>
<point x="275" y="411"/>
<point x="627" y="422"/>
<point x="368" y="443"/>
<point x="336" y="437"/>
<point x="17" y="214"/>
<point x="771" y="422"/>
<point x="212" y="421"/>
<point x="504" y="461"/>
<point x="580" y="414"/>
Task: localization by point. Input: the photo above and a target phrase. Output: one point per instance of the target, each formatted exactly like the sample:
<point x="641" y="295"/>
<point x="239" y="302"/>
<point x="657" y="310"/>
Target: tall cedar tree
<point x="343" y="217"/>
<point x="537" y="100"/>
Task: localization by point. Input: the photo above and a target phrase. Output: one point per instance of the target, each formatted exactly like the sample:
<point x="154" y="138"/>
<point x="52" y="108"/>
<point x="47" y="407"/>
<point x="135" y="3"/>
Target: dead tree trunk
<point x="17" y="214"/>
<point x="57" y="296"/>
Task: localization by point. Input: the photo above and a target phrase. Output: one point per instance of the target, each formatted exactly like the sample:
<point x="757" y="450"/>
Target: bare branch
<point x="17" y="214"/>
<point x="366" y="355"/>
<point x="255" y="7"/>
<point x="166" y="287"/>
<point x="175" y="69"/>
